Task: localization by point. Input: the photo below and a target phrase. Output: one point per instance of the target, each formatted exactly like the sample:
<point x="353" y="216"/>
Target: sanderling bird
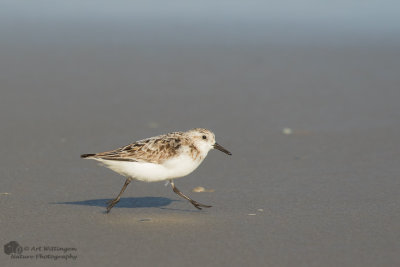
<point x="159" y="158"/>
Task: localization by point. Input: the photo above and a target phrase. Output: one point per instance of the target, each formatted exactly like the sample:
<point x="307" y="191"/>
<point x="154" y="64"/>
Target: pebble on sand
<point x="287" y="131"/>
<point x="199" y="189"/>
<point x="145" y="220"/>
<point x="153" y="125"/>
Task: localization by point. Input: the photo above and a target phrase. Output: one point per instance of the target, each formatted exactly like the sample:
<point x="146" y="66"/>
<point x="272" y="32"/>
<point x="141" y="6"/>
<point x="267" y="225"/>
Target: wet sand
<point x="325" y="195"/>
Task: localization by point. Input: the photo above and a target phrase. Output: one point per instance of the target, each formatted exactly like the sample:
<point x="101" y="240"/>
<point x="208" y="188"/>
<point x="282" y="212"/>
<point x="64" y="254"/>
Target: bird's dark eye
<point x="204" y="137"/>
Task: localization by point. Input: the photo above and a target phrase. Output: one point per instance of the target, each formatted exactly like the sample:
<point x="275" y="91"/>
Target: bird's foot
<point x="198" y="205"/>
<point x="111" y="204"/>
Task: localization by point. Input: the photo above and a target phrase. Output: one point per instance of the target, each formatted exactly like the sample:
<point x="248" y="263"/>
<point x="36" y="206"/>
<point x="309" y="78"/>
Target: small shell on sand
<point x="145" y="220"/>
<point x="5" y="193"/>
<point x="199" y="189"/>
<point x="260" y="210"/>
<point x="290" y="131"/>
<point x="287" y="131"/>
<point x="153" y="125"/>
<point x="252" y="214"/>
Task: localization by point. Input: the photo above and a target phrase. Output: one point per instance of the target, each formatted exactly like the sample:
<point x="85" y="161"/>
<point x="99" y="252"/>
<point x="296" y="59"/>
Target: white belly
<point x="151" y="172"/>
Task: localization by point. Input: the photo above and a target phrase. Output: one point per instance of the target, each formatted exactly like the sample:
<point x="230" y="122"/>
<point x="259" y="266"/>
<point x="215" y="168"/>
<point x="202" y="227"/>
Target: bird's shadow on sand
<point x="127" y="202"/>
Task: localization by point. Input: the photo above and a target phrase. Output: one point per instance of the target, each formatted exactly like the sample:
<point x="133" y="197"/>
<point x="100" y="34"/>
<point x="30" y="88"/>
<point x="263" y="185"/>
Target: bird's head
<point x="205" y="140"/>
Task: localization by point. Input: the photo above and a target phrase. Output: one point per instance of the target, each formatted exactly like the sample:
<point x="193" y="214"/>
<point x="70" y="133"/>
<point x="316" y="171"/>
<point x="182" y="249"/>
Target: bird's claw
<point x="198" y="205"/>
<point x="111" y="204"/>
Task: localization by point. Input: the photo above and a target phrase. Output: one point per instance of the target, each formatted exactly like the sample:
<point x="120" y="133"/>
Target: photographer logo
<point x="12" y="247"/>
<point x="16" y="251"/>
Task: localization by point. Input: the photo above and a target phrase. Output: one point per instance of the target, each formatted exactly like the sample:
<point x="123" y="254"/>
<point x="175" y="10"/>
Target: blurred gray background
<point x="90" y="76"/>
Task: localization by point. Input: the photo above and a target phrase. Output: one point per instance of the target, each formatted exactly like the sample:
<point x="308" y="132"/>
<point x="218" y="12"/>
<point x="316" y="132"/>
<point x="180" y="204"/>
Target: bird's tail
<point x="87" y="155"/>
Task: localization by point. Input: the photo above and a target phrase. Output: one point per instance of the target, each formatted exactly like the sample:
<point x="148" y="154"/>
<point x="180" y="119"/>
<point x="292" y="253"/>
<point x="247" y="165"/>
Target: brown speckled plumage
<point x="155" y="149"/>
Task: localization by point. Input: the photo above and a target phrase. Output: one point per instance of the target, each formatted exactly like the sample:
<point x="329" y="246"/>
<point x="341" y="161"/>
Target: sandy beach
<point x="324" y="192"/>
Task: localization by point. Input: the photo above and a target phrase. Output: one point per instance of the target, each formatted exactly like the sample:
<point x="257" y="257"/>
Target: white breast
<point x="150" y="172"/>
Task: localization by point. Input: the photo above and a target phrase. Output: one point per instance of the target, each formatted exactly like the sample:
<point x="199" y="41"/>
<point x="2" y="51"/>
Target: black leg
<point x="112" y="203"/>
<point x="194" y="203"/>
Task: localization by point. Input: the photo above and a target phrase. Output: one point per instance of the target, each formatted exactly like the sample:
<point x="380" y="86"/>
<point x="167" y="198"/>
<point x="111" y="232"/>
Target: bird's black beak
<point x="220" y="148"/>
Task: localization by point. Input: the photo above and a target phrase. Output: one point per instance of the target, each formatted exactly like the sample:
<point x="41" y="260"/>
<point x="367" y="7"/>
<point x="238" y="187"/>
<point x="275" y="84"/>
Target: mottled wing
<point x="155" y="150"/>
